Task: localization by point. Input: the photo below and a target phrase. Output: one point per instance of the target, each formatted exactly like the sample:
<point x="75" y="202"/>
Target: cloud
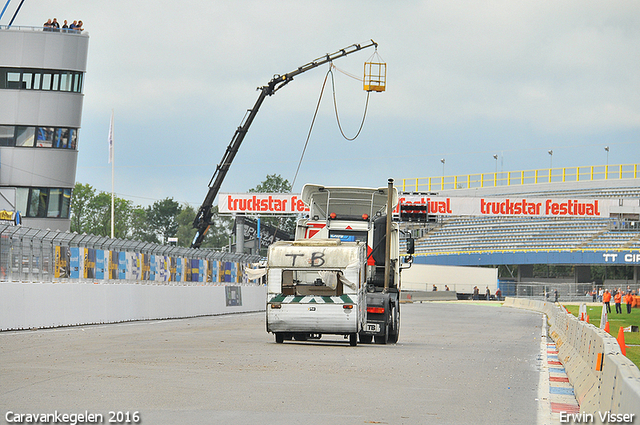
<point x="462" y="78"/>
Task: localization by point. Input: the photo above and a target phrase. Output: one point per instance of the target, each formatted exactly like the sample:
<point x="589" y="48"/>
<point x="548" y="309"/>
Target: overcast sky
<point x="466" y="80"/>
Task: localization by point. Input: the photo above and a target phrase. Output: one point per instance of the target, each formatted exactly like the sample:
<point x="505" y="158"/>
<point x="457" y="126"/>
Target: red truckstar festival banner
<point x="518" y="206"/>
<point x="261" y="203"/>
<point x="513" y="206"/>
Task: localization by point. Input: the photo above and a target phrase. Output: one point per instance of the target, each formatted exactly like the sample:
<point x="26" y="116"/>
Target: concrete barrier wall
<point x="603" y="379"/>
<point x="462" y="279"/>
<point x="45" y="305"/>
<point x="419" y="296"/>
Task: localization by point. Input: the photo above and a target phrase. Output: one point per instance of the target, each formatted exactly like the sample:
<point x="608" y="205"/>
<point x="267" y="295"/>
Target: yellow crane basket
<point x="375" y="74"/>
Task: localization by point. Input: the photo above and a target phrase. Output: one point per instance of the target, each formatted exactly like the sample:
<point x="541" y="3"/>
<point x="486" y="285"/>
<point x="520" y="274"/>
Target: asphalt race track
<point x="455" y="363"/>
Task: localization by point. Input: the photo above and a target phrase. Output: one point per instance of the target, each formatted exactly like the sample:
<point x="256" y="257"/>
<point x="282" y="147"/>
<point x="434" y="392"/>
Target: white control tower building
<point x="41" y="92"/>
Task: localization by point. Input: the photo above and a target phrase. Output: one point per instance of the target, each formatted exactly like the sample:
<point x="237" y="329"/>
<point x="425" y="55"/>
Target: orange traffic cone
<point x="587" y="320"/>
<point x="623" y="347"/>
<point x="606" y="327"/>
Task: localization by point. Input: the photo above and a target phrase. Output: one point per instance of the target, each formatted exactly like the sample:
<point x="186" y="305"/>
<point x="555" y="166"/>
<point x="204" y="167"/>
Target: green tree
<point x="161" y="217"/>
<point x="100" y="216"/>
<point x="217" y="236"/>
<point x="273" y="184"/>
<point x="185" y="231"/>
<point x="91" y="212"/>
<point x="276" y="184"/>
<point x="82" y="197"/>
<point x="140" y="228"/>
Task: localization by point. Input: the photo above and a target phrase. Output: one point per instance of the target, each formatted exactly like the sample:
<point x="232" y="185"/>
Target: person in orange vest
<point x="617" y="298"/>
<point x="606" y="299"/>
<point x="628" y="299"/>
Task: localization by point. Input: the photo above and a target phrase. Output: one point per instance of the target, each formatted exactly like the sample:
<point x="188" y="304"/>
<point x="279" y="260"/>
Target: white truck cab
<point x="331" y="279"/>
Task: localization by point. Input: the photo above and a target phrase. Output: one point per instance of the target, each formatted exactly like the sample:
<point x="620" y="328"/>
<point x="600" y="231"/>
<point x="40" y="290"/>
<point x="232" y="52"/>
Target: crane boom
<point x="203" y="217"/>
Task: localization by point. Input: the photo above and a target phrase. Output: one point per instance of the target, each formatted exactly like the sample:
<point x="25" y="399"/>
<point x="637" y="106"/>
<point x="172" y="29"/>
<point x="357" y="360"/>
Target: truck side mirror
<point x="411" y="246"/>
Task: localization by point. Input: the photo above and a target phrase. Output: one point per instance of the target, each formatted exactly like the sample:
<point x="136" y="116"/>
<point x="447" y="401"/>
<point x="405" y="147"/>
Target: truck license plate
<point x="373" y="327"/>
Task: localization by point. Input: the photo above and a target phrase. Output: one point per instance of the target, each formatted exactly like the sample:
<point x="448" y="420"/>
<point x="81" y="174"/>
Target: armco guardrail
<point x="603" y="379"/>
<point x="50" y="278"/>
<point x="44" y="256"/>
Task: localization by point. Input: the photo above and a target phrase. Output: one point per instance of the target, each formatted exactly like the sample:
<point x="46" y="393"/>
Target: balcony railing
<point x="42" y="29"/>
<point x="526" y="177"/>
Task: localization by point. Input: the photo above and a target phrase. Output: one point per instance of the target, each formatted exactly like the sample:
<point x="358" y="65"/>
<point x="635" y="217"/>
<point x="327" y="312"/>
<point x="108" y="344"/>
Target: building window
<point x="21" y="200"/>
<point x="6" y="135"/>
<point x="65" y="203"/>
<point x="42" y="202"/>
<point x="73" y="138"/>
<point x="13" y="80"/>
<point x="55" y="196"/>
<point x="25" y="136"/>
<point x="55" y="80"/>
<point x="27" y="80"/>
<point x="37" y="203"/>
<point x="45" y="137"/>
<point x="46" y="81"/>
<point x="41" y="137"/>
<point x="77" y="82"/>
<point x="41" y="79"/>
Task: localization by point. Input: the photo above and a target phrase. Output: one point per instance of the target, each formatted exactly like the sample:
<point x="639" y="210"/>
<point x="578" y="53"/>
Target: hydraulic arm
<point x="203" y="217"/>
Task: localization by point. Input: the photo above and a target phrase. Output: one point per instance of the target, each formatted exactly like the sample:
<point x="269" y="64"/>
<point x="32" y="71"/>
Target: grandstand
<point x="611" y="238"/>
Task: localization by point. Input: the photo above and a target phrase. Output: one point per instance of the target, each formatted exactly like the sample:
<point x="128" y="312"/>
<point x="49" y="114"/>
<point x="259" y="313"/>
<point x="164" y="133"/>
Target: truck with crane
<point x="342" y="255"/>
<point x="341" y="274"/>
<point x="203" y="219"/>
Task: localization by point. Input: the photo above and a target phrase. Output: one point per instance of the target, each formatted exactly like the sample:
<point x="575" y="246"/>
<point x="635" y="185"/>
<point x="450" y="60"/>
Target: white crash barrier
<point x="47" y="305"/>
<point x="603" y="379"/>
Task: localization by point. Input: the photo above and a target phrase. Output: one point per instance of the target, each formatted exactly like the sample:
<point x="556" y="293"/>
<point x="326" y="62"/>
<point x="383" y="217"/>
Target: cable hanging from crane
<point x="335" y="107"/>
<point x="375" y="73"/>
<point x="315" y="114"/>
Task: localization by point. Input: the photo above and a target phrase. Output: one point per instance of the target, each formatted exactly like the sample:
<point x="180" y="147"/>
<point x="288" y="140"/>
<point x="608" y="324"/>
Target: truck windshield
<point x="312" y="282"/>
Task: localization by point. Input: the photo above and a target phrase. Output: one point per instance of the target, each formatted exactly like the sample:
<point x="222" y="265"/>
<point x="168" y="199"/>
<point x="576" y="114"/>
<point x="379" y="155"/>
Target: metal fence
<point x="567" y="292"/>
<point x="34" y="255"/>
<point x="518" y="178"/>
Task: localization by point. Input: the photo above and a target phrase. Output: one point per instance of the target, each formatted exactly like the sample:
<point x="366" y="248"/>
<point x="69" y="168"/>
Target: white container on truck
<point x="315" y="287"/>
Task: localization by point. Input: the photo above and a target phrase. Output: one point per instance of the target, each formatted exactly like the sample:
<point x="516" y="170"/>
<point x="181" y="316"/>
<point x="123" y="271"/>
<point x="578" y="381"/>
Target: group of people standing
<point x="487" y="294"/>
<point x="53" y="25"/>
<point x="617" y="299"/>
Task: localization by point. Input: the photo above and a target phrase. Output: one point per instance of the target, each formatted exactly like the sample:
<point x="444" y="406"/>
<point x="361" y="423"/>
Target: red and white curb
<point x="555" y="394"/>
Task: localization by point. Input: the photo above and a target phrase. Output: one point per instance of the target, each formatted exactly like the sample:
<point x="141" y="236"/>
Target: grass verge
<point x="632" y="339"/>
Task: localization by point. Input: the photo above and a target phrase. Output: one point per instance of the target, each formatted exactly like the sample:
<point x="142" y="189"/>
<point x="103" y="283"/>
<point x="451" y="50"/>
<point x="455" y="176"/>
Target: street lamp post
<point x="550" y="152"/>
<point x="606" y="168"/>
<point x="495" y="178"/>
<point x="442" y="185"/>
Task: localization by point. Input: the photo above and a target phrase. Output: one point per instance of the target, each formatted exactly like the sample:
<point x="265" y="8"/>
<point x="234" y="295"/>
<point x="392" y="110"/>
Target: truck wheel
<point x="366" y="339"/>
<point x="394" y="333"/>
<point x="353" y="340"/>
<point x="383" y="339"/>
<point x="279" y="338"/>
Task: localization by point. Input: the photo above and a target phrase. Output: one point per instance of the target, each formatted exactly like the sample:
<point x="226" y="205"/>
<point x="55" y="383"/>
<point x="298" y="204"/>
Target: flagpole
<point x="112" y="161"/>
